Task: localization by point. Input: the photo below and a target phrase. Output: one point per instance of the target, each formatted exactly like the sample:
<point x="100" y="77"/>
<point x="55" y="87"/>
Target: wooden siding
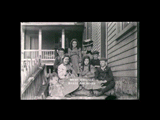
<point x="121" y="53"/>
<point x="96" y="36"/>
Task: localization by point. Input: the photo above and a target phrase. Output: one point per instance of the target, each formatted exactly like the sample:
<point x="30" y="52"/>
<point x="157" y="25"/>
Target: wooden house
<point x="117" y="41"/>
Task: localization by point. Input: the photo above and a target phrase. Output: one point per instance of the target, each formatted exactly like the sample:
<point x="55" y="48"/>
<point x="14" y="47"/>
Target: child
<point x="55" y="88"/>
<point x="65" y="70"/>
<point x="95" y="61"/>
<point x="75" y="54"/>
<point x="105" y="77"/>
<point x="58" y="59"/>
<point x="87" y="69"/>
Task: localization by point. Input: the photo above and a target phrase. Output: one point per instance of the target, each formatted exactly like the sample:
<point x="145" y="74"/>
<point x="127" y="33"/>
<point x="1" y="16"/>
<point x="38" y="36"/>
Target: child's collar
<point x="104" y="67"/>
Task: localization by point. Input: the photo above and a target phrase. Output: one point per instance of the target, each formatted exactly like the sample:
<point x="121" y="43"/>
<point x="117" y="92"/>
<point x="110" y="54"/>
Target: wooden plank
<point x="125" y="67"/>
<point x="51" y="23"/>
<point x="112" y="27"/>
<point x="123" y="55"/>
<point x="131" y="35"/>
<point x="131" y="73"/>
<point x="125" y="30"/>
<point x="48" y="54"/>
<point x="122" y="43"/>
<point x="124" y="48"/>
<point x="109" y="24"/>
<point x="112" y="32"/>
<point x="29" y="50"/>
<point x="111" y="37"/>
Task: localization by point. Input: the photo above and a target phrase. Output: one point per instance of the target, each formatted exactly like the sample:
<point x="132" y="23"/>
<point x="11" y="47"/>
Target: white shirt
<point x="103" y="67"/>
<point x="62" y="71"/>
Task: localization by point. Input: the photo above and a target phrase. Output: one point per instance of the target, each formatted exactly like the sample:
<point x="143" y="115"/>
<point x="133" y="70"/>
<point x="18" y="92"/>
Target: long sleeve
<point x="61" y="71"/>
<point x="69" y="51"/>
<point x="110" y="75"/>
<point x="88" y="73"/>
<point x="92" y="72"/>
<point x="96" y="74"/>
<point x="56" y="63"/>
<point x="84" y="72"/>
<point x="73" y="71"/>
<point x="80" y="55"/>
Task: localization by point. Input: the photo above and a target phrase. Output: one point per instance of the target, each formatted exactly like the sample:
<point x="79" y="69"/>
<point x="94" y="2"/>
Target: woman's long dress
<point x="65" y="79"/>
<point x="75" y="55"/>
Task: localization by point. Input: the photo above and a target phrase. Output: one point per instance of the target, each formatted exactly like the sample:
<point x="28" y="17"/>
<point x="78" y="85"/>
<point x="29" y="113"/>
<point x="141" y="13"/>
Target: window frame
<point x="120" y="31"/>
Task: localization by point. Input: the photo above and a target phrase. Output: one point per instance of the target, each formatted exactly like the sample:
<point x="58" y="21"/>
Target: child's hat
<point x="87" y="42"/>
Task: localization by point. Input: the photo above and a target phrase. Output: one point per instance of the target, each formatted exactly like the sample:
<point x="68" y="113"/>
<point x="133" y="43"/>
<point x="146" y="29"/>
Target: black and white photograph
<point x="79" y="60"/>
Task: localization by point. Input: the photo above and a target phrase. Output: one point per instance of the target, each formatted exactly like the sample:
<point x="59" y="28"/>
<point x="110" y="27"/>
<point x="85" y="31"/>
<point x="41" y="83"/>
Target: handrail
<point x="47" y="50"/>
<point x="33" y="84"/>
<point x="28" y="67"/>
<point x="30" y="50"/>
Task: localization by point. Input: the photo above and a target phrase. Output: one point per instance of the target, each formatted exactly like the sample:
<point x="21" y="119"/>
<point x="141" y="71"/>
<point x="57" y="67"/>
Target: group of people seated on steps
<point x="84" y="65"/>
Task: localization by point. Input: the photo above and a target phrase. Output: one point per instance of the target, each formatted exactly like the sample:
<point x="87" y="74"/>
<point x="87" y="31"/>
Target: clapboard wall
<point x="122" y="55"/>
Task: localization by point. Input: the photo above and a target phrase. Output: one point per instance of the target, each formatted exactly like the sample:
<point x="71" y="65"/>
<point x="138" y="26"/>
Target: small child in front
<point x="55" y="88"/>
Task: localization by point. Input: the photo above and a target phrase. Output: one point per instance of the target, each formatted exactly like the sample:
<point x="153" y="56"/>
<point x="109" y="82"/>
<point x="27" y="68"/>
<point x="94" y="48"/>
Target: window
<point x="123" y="28"/>
<point x="125" y="24"/>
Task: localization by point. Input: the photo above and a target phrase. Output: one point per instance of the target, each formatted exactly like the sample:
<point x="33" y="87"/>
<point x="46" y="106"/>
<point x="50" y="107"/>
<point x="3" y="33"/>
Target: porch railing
<point x="31" y="54"/>
<point x="32" y="86"/>
<point x="45" y="54"/>
<point x="28" y="67"/>
<point x="48" y="54"/>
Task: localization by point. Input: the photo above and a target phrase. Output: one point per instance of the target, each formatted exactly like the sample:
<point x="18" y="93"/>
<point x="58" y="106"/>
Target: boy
<point x="95" y="61"/>
<point x="58" y="59"/>
<point x="105" y="78"/>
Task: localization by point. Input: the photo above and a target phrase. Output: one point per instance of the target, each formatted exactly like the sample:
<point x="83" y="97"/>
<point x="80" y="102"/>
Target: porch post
<point x="22" y="43"/>
<point x="40" y="42"/>
<point x="63" y="38"/>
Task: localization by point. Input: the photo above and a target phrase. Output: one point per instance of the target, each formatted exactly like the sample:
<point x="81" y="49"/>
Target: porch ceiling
<point x="68" y="26"/>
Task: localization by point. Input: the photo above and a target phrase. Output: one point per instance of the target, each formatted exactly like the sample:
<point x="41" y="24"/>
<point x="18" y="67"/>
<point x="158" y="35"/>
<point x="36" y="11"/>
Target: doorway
<point x="69" y="35"/>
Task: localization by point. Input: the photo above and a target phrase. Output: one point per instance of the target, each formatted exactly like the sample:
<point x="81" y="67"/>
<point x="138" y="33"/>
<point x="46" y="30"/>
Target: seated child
<point x="95" y="61"/>
<point x="87" y="70"/>
<point x="105" y="77"/>
<point x="55" y="88"/>
<point x="65" y="70"/>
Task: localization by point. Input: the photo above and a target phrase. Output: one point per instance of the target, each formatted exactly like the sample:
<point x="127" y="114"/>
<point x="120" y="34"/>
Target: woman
<point x="75" y="54"/>
<point x="65" y="73"/>
<point x="65" y="70"/>
<point x="88" y="45"/>
<point x="87" y="69"/>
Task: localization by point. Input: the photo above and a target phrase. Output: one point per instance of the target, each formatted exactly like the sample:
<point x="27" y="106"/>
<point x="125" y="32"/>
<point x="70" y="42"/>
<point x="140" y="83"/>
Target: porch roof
<point x="75" y="26"/>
